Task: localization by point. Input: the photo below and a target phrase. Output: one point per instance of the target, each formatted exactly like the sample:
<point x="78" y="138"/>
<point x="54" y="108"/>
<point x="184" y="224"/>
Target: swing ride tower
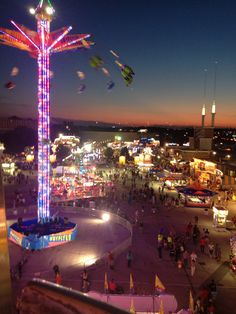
<point x="41" y="44"/>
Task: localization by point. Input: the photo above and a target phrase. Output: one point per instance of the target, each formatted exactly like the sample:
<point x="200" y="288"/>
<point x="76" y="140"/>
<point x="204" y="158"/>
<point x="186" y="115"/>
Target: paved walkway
<point x="145" y="258"/>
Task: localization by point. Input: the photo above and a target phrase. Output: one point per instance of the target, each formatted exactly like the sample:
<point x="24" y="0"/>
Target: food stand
<point x="219" y="216"/>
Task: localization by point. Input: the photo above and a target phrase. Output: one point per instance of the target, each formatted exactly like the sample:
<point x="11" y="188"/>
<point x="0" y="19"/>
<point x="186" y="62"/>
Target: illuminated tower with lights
<point x="203" y="116"/>
<point x="213" y="114"/>
<point x="41" y="45"/>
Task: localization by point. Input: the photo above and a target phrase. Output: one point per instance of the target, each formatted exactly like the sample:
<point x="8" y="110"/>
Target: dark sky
<point x="168" y="43"/>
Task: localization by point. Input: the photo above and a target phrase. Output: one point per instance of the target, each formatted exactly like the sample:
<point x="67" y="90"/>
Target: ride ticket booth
<point x="219" y="216"/>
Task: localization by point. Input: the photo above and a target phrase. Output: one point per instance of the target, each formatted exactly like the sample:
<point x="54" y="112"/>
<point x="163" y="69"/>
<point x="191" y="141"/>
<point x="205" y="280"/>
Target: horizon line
<point x="130" y="124"/>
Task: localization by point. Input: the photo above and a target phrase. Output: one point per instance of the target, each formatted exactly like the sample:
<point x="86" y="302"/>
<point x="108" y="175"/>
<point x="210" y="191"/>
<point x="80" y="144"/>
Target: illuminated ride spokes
<point x="41" y="45"/>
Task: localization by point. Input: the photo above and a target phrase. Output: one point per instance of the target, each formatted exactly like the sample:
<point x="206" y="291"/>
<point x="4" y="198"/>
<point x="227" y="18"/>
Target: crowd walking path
<point x="149" y="218"/>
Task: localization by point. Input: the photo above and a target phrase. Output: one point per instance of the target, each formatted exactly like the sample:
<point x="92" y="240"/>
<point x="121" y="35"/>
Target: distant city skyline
<point x="167" y="43"/>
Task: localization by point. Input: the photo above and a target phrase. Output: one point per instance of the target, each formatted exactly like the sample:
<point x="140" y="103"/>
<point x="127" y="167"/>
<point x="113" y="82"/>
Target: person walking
<point x="193" y="261"/>
<point x="112" y="286"/>
<point x="211" y="249"/>
<point x="195" y="235"/>
<point x="169" y="241"/>
<point x="159" y="238"/>
<point x="218" y="254"/>
<point x="189" y="229"/>
<point x="177" y="253"/>
<point x="136" y="218"/>
<point x="193" y="256"/>
<point x="213" y="289"/>
<point x="110" y="259"/>
<point x="211" y="308"/>
<point x="129" y="258"/>
<point x="207" y="233"/>
<point x="85" y="281"/>
<point x="193" y="267"/>
<point x="58" y="278"/>
<point x="185" y="258"/>
<point x="202" y="244"/>
<point x="198" y="309"/>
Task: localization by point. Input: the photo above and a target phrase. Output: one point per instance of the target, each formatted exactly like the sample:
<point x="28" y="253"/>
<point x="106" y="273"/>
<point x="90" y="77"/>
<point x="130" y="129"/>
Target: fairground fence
<point x="88" y="212"/>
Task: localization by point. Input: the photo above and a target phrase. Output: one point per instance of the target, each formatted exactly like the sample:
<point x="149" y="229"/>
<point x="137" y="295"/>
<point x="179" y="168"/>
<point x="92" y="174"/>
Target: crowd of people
<point x="205" y="302"/>
<point x="184" y="248"/>
<point x="133" y="196"/>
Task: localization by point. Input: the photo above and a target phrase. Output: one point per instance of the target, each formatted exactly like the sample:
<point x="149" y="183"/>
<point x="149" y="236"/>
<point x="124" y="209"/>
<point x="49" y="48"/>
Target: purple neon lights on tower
<point x="41" y="45"/>
<point x="43" y="27"/>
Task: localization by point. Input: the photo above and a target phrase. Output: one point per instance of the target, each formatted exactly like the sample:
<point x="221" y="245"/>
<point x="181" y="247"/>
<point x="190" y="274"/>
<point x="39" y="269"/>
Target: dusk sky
<point x="168" y="43"/>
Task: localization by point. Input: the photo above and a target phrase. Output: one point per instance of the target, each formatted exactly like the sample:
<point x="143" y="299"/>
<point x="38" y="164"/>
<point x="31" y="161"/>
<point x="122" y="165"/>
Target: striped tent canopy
<point x="192" y="191"/>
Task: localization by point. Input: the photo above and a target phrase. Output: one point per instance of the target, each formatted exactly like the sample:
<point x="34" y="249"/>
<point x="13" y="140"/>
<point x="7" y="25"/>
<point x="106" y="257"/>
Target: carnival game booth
<point x="196" y="197"/>
<point x="173" y="179"/>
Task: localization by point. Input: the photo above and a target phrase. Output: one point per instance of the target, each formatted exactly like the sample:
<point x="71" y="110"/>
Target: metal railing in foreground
<point x="41" y="296"/>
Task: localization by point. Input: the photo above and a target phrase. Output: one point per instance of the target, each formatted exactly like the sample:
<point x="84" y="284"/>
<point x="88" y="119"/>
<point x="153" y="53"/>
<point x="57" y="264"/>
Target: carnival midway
<point x="136" y="225"/>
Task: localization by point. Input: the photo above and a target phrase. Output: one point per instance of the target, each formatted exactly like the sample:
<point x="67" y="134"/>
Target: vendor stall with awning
<point x="196" y="197"/>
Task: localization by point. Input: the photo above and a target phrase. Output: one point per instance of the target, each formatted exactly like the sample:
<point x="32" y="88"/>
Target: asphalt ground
<point x="146" y="262"/>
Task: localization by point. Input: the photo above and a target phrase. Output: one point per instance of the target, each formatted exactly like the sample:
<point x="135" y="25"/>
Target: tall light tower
<point x="41" y="45"/>
<point x="213" y="108"/>
<point x="204" y="98"/>
<point x="203" y="116"/>
<point x="213" y="114"/>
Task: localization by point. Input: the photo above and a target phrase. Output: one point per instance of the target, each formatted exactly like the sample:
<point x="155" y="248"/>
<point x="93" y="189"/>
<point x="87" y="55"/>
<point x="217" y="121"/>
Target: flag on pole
<point x="105" y="283"/>
<point x="191" y="302"/>
<point x="131" y="283"/>
<point x="161" y="309"/>
<point x="132" y="308"/>
<point x="158" y="284"/>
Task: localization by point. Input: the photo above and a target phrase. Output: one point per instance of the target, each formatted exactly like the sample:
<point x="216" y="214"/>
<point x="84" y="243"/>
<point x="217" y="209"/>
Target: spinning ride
<point x="41" y="45"/>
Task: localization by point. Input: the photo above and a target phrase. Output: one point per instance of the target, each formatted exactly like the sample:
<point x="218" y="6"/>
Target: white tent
<point x="142" y="304"/>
